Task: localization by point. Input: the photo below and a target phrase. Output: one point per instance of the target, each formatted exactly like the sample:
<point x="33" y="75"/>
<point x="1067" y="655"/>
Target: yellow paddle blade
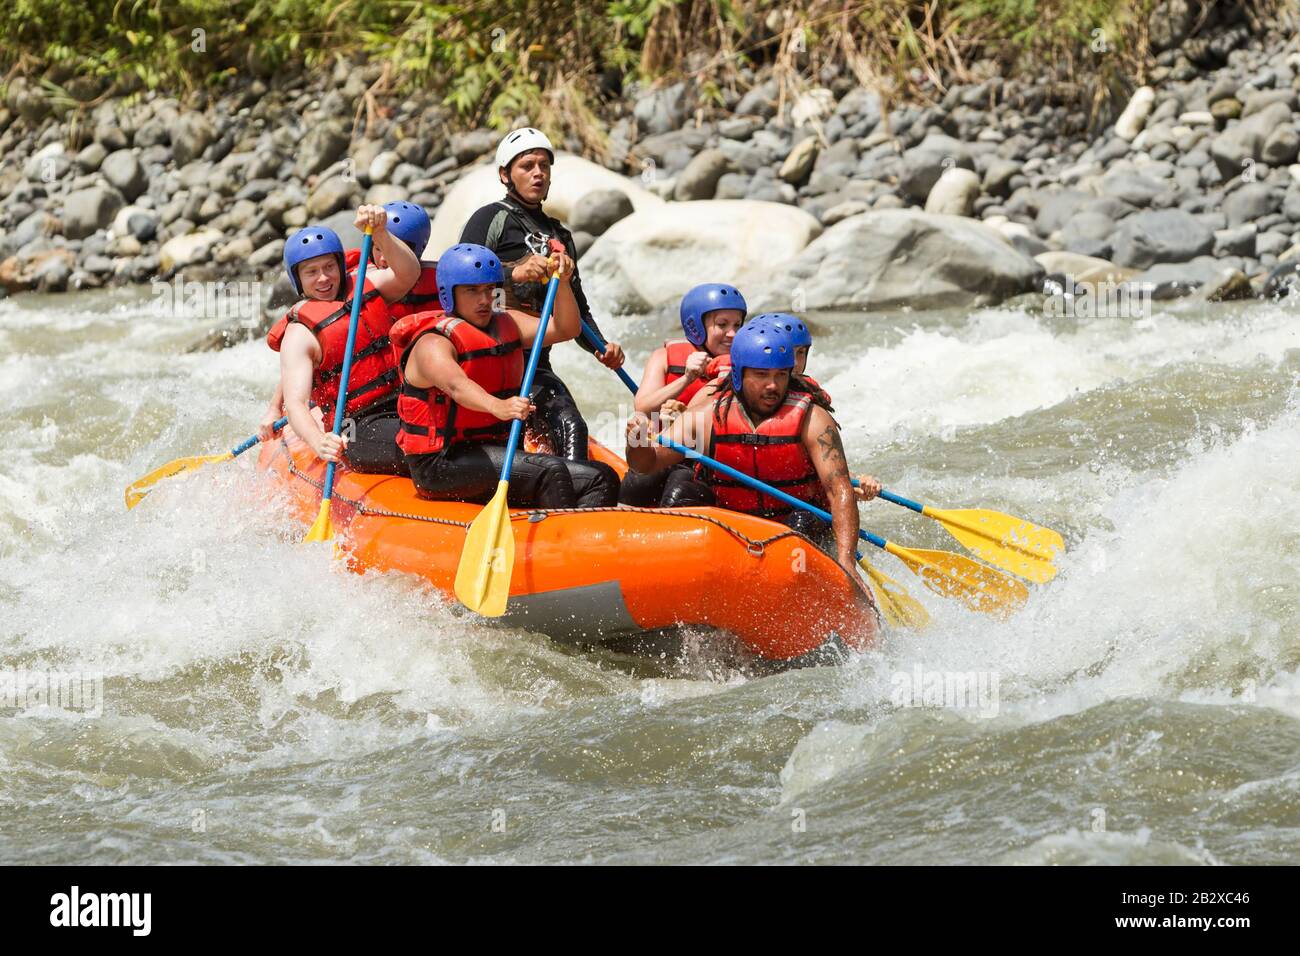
<point x="899" y="608"/>
<point x="1013" y="544"/>
<point x="483" y="577"/>
<point x="142" y="486"/>
<point x="976" y="585"/>
<point x="322" y="528"/>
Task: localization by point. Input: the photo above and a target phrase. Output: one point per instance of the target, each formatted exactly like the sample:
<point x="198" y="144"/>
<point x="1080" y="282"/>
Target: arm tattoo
<point x="833" y="451"/>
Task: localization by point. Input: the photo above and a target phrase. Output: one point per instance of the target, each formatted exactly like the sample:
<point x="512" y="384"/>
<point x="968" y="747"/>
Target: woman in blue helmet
<point x="678" y="372"/>
<point x="762" y="428"/>
<point x="311" y="341"/>
<point x="462" y="368"/>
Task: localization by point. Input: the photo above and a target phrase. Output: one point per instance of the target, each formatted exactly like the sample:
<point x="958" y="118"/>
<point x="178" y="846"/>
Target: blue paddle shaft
<point x="341" y="403"/>
<point x="252" y="440"/>
<point x="596" y="341"/>
<point x="535" y="353"/>
<point x="765" y="488"/>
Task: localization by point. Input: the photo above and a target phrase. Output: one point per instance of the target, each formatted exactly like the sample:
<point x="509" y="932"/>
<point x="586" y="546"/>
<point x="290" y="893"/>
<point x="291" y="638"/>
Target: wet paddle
<point x="1011" y="543"/>
<point x="322" y="529"/>
<point x="978" y="586"/>
<point x="488" y="559"/>
<point x="136" y="491"/>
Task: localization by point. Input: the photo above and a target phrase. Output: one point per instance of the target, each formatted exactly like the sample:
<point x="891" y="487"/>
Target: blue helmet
<point x="800" y="335"/>
<point x="409" y="223"/>
<point x="760" y="344"/>
<point x="465" y="264"/>
<point x="704" y="299"/>
<point x="307" y="244"/>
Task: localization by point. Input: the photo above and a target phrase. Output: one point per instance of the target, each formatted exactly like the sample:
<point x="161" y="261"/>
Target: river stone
<point x="1232" y="148"/>
<point x="87" y="210"/>
<point x="1250" y="202"/>
<point x="955" y="193"/>
<point x="1082" y="268"/>
<point x="1163" y="235"/>
<point x="330" y="196"/>
<point x="1135" y="115"/>
<point x="887" y="259"/>
<point x="652" y="257"/>
<point x="1281" y="146"/>
<point x="699" y="180"/>
<point x="188" y="249"/>
<point x="1235" y="242"/>
<point x="383" y="165"/>
<point x="796" y="167"/>
<point x="191" y="135"/>
<point x="123" y="172"/>
<point x="599" y="209"/>
<point x="1172" y="280"/>
<point x="324" y="143"/>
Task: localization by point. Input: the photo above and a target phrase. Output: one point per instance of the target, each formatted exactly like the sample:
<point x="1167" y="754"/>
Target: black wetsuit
<point x="469" y="471"/>
<point x="372" y="440"/>
<point x="502" y="226"/>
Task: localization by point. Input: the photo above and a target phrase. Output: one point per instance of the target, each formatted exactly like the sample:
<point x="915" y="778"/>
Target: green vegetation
<point x="496" y="61"/>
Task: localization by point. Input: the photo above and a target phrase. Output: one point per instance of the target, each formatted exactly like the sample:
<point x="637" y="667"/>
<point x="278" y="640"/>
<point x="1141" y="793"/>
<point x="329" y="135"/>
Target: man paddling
<point x="515" y="227"/>
<point x="312" y="336"/>
<point x="758" y="426"/>
<point x="462" y="367"/>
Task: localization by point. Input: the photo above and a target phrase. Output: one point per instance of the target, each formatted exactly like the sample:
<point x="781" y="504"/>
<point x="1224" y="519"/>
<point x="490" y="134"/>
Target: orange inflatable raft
<point x="600" y="573"/>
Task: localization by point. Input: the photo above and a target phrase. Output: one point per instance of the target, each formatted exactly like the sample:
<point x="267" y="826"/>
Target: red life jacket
<point x="676" y="354"/>
<point x="492" y="357"/>
<point x="773" y="453"/>
<point x="373" y="377"/>
<point x="423" y="295"/>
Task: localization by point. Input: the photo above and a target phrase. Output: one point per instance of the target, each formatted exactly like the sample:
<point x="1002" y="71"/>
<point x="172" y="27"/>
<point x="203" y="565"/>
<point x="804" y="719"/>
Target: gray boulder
<point x="1174" y="280"/>
<point x="599" y="209"/>
<point x="123" y="172"/>
<point x="324" y="144"/>
<point x="886" y="259"/>
<point x="190" y="137"/>
<point x="699" y="180"/>
<point x="1234" y="147"/>
<point x="660" y="111"/>
<point x="87" y="210"/>
<point x="1250" y="202"/>
<point x="1163" y="235"/>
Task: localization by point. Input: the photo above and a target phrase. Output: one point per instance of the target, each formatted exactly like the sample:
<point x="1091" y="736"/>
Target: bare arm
<point x="646" y="455"/>
<point x="299" y="355"/>
<point x="653" y="392"/>
<point x="432" y="364"/>
<point x="403" y="267"/>
<point x="565" y="323"/>
<point x="822" y="440"/>
<point x="274" y="409"/>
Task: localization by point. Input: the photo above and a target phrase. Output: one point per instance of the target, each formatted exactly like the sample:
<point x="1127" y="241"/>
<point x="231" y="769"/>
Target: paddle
<point x="599" y="345"/>
<point x="136" y="491"/>
<point x="1017" y="545"/>
<point x="899" y="608"/>
<point x="322" y="529"/>
<point x="978" y="586"/>
<point x="488" y="559"/>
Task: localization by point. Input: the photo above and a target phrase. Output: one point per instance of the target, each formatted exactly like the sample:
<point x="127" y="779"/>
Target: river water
<point x="261" y="705"/>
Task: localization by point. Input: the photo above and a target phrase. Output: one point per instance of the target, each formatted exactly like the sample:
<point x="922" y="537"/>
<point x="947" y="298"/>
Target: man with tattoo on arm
<point x="758" y="426"/>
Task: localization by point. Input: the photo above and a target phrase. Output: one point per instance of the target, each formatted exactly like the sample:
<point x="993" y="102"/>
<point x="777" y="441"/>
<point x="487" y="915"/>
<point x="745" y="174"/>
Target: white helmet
<point x="521" y="141"/>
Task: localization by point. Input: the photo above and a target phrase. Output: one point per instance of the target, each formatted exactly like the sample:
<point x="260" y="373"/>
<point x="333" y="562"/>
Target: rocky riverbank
<point x="820" y="192"/>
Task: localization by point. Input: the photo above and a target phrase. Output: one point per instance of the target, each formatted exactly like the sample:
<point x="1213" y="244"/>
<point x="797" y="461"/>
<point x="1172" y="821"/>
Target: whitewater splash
<point x="238" y="663"/>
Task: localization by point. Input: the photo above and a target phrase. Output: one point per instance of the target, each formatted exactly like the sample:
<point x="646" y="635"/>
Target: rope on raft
<point x="753" y="546"/>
